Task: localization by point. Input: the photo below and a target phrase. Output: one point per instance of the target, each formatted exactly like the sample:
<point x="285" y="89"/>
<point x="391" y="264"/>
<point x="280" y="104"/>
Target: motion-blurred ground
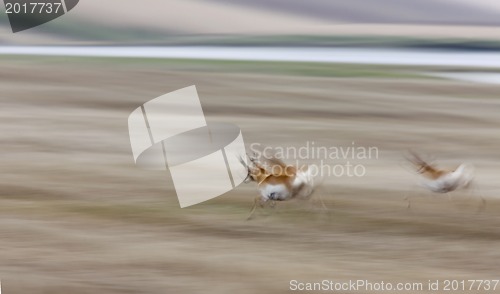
<point x="76" y="215"/>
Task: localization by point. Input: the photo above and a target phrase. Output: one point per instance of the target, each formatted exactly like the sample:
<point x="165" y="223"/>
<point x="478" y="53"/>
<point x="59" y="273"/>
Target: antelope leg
<point x="322" y="203"/>
<point x="258" y="200"/>
<point x="475" y="188"/>
<point x="407" y="198"/>
<point x="415" y="189"/>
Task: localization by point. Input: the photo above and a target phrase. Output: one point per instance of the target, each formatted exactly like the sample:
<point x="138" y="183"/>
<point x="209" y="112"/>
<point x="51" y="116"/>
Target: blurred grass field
<point x="78" y="217"/>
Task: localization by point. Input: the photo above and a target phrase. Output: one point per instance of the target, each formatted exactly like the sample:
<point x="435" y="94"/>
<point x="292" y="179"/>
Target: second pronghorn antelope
<point x="442" y="180"/>
<point x="278" y="181"/>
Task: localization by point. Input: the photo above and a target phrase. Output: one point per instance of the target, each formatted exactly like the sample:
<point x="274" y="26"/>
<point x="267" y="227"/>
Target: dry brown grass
<point x="76" y="215"/>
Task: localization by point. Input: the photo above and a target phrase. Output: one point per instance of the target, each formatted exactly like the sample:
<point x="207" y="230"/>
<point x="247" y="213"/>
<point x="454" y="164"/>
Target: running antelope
<point x="442" y="180"/>
<point x="278" y="182"/>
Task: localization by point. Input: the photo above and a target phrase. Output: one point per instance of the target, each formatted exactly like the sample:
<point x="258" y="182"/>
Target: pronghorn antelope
<point x="278" y="181"/>
<point x="442" y="180"/>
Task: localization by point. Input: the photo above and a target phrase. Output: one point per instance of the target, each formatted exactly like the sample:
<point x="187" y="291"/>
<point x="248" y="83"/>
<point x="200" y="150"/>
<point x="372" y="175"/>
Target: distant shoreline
<point x="364" y="55"/>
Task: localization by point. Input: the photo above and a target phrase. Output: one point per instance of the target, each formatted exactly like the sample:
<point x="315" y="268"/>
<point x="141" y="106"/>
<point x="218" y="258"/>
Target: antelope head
<point x="256" y="172"/>
<point x="421" y="165"/>
<point x="424" y="168"/>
